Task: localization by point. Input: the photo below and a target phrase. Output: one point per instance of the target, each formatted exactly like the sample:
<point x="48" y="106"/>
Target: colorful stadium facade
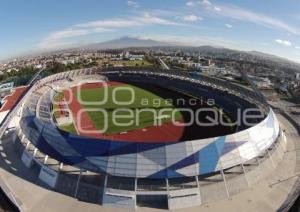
<point x="155" y="164"/>
<point x="151" y="160"/>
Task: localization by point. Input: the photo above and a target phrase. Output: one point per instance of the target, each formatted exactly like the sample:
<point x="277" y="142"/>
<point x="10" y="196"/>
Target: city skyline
<point x="30" y="26"/>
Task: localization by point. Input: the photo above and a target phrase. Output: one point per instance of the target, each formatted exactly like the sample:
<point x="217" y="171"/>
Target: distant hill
<point x="125" y="42"/>
<point x="272" y="61"/>
<point x="130" y="43"/>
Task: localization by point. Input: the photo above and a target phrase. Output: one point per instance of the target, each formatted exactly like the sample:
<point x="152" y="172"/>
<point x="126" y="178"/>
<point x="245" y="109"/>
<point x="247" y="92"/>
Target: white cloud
<point x="228" y="26"/>
<point x="133" y="4"/>
<point x="190" y="4"/>
<point x="147" y="18"/>
<point x="57" y="39"/>
<point x="283" y="42"/>
<point x="206" y="3"/>
<point x="297" y="47"/>
<point x="67" y="33"/>
<point x="101" y="29"/>
<point x="161" y="12"/>
<point x="218" y="9"/>
<point x="57" y="44"/>
<point x="191" y="18"/>
<point x="114" y="23"/>
<point x="241" y="14"/>
<point x="62" y="38"/>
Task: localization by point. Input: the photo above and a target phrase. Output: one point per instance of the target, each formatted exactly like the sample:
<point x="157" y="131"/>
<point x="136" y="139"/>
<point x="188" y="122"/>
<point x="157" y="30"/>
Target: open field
<point x="68" y="128"/>
<point x="130" y="63"/>
<point x="59" y="97"/>
<point x="123" y="110"/>
<point x="130" y="110"/>
<point x="142" y="108"/>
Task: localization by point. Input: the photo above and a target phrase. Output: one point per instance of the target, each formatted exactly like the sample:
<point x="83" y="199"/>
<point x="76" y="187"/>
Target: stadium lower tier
<point x="203" y="165"/>
<point x="152" y="160"/>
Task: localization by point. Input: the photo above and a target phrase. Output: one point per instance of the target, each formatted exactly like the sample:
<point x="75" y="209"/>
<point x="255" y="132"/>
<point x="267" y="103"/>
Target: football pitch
<point x="121" y="108"/>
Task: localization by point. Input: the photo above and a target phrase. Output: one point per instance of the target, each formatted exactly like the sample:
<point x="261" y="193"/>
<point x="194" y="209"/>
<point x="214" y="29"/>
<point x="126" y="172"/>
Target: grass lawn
<point x="131" y="63"/>
<point x="115" y="118"/>
<point x="57" y="98"/>
<point x="68" y="128"/>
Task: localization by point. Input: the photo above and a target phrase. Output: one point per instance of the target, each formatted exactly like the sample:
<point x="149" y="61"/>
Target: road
<point x="163" y="64"/>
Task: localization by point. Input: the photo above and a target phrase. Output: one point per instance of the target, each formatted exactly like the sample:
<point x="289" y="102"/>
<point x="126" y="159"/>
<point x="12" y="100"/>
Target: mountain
<point x="131" y="43"/>
<point x="211" y="51"/>
<point x="125" y="42"/>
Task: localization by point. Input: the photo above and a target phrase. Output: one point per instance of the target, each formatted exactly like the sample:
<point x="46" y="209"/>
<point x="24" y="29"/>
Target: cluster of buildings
<point x="67" y="58"/>
<point x="126" y="56"/>
<point x="18" y="63"/>
<point x="263" y="77"/>
<point x="261" y="82"/>
<point x="198" y="63"/>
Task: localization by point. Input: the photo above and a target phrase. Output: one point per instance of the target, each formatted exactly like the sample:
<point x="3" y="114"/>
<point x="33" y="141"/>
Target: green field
<point x="68" y="128"/>
<point x="141" y="113"/>
<point x="65" y="127"/>
<point x="58" y="97"/>
<point x="131" y="63"/>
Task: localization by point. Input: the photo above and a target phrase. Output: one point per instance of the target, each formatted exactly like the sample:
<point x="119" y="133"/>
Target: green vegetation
<point x="65" y="127"/>
<point x="59" y="67"/>
<point x="20" y="77"/>
<point x="144" y="111"/>
<point x="57" y="98"/>
<point x="131" y="63"/>
<point x="68" y="128"/>
<point x="23" y="76"/>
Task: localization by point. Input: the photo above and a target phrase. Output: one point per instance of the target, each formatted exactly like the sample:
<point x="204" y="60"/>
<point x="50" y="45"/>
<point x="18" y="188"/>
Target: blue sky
<point x="31" y="26"/>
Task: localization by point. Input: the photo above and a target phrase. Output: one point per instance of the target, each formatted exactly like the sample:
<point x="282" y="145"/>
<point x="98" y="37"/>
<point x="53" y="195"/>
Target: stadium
<point x="155" y="153"/>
